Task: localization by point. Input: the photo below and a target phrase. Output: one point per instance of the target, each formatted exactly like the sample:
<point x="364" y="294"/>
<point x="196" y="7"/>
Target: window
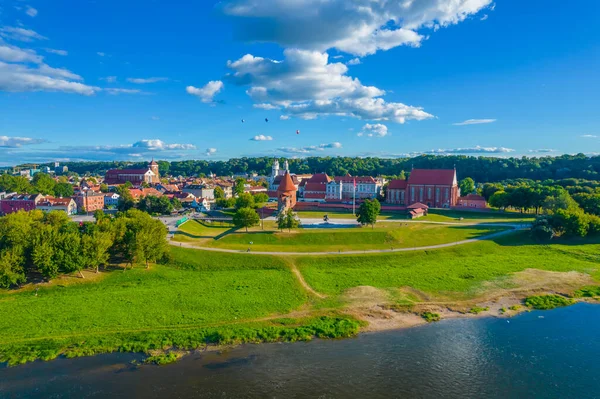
<point x="429" y="193"/>
<point x="412" y="193"/>
<point x="421" y="193"/>
<point x="437" y="194"/>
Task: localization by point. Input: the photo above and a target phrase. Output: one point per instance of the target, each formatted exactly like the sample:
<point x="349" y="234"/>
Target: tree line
<point x="481" y="169"/>
<point x="49" y="244"/>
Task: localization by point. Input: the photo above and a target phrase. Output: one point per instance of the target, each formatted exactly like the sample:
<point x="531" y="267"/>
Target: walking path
<point x="514" y="227"/>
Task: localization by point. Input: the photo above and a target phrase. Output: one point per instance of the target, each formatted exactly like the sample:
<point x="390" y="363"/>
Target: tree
<point x="219" y="193"/>
<point x="368" y="212"/>
<point x="239" y="188"/>
<point x="43" y="183"/>
<point x="17" y="184"/>
<point x="11" y="269"/>
<point x="490" y="189"/>
<point x="499" y="200"/>
<point x="94" y="248"/>
<point x="177" y="205"/>
<point x="244" y="200"/>
<point x="260" y="198"/>
<point x="63" y="190"/>
<point x="103" y="188"/>
<point x="466" y="186"/>
<point x="126" y="201"/>
<point x="542" y="230"/>
<point x="571" y="222"/>
<point x="287" y="220"/>
<point x="245" y="217"/>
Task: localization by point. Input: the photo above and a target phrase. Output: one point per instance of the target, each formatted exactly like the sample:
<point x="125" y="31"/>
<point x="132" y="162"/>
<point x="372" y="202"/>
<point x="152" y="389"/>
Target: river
<point x="551" y="354"/>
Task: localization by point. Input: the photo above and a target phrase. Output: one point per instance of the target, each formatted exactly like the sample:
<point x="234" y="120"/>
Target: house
<point x="89" y="201"/>
<point x="19" y="202"/>
<point x="417" y="210"/>
<point x="136" y="193"/>
<point x="149" y="175"/>
<point x="256" y="189"/>
<point x="315" y="188"/>
<point x="201" y="204"/>
<point x="227" y="188"/>
<point x="168" y="188"/>
<point x="436" y="188"/>
<point x="472" y="201"/>
<point x="111" y="199"/>
<point x="151" y="192"/>
<point x="200" y="191"/>
<point x="49" y="204"/>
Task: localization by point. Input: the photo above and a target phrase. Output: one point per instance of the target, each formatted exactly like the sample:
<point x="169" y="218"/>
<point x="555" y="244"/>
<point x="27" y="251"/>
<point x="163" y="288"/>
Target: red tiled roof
<point x="314" y="195"/>
<point x="286" y="184"/>
<point x="397" y="184"/>
<point x="279" y="179"/>
<point x="418" y="205"/>
<point x="315" y="187"/>
<point x="319" y="178"/>
<point x="127" y="171"/>
<point x="432" y="176"/>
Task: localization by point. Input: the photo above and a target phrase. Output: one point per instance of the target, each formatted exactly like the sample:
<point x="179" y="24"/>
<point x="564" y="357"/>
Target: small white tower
<point x="286" y="167"/>
<point x="275" y="169"/>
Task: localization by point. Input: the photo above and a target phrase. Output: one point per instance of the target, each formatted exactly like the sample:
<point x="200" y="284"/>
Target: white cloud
<point x="101" y="54"/>
<point x="32" y="12"/>
<point x="20" y="34"/>
<point x="16" y="142"/>
<point x="357" y="27"/>
<point x="155" y="118"/>
<point x="267" y="107"/>
<point x="159" y="145"/>
<point x="284" y="117"/>
<point x="471" y="150"/>
<point x="589" y="136"/>
<point x="262" y="137"/>
<point x="15" y="54"/>
<point x="21" y="78"/>
<point x="484" y="17"/>
<point x="310" y="149"/>
<point x="541" y="151"/>
<point x="208" y="92"/>
<point x="139" y="147"/>
<point x="116" y="91"/>
<point x="307" y="86"/>
<point x="354" y="61"/>
<point x="57" y="52"/>
<point x="109" y="79"/>
<point x="141" y="81"/>
<point x="374" y="130"/>
<point x="474" y="122"/>
<point x="211" y="151"/>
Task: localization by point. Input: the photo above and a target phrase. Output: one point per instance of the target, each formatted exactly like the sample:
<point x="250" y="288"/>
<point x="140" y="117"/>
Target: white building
<point x="342" y="188"/>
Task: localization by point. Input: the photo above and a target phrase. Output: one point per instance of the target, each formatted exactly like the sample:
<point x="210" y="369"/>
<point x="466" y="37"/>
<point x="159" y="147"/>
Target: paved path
<point x="371" y="251"/>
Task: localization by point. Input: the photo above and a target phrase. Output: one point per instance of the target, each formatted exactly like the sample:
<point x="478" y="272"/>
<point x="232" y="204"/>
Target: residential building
<point x="472" y="201"/>
<point x="417" y="210"/>
<point x="148" y="175"/>
<point x="315" y="188"/>
<point x="227" y="188"/>
<point x="49" y="204"/>
<point x="200" y="191"/>
<point x="19" y="202"/>
<point x="346" y="188"/>
<point x="111" y="199"/>
<point x="436" y="188"/>
<point x="89" y="201"/>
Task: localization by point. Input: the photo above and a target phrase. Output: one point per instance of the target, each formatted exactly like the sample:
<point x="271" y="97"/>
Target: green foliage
<point x="155" y="205"/>
<point x="430" y="317"/>
<point x="245" y="217"/>
<point x="238" y="188"/>
<point x="226" y="203"/>
<point x="368" y="212"/>
<point x="63" y="190"/>
<point x="515" y="307"/>
<point x="219" y="193"/>
<point x="541" y="230"/>
<point x="126" y="201"/>
<point x="288" y="220"/>
<point x="466" y="186"/>
<point x="588" y="292"/>
<point x="545" y="302"/>
<point x="104" y="188"/>
<point x="43" y="183"/>
<point x="478" y="309"/>
<point x="572" y="223"/>
<point x="244" y="200"/>
<point x="260" y="198"/>
<point x="163" y="359"/>
<point x="17" y="184"/>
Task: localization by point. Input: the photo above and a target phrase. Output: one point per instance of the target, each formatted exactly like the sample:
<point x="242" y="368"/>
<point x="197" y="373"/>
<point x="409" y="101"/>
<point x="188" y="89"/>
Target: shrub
<point x="477" y="309"/>
<point x="430" y="317"/>
<point x="587" y="292"/>
<point x="545" y="302"/>
<point x="515" y="307"/>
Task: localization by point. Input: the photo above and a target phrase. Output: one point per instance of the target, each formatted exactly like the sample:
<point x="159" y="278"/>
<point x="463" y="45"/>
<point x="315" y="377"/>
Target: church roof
<point x="286" y="183"/>
<point x="432" y="177"/>
<point x="397" y="184"/>
<point x="153" y="162"/>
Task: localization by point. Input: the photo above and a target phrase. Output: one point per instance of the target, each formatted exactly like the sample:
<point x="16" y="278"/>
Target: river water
<point x="552" y="354"/>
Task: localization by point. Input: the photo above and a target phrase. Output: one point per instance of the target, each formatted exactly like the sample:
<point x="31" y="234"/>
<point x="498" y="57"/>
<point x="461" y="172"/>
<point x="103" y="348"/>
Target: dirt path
<point x="303" y="282"/>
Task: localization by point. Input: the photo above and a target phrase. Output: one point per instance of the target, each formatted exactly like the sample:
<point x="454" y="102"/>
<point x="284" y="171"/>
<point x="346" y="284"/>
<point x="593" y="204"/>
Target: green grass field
<point x="458" y="270"/>
<point x="384" y="236"/>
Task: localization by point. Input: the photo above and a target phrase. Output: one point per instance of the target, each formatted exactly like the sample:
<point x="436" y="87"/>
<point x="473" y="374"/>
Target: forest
<point x="481" y="169"/>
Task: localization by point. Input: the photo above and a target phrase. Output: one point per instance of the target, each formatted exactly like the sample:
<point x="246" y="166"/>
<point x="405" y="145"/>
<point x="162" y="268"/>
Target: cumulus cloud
<point x="20" y="34"/>
<point x="57" y="52"/>
<point x="261" y="137"/>
<point x="32" y="12"/>
<point x="306" y="85"/>
<point x="474" y="122"/>
<point x="471" y="150"/>
<point x="374" y="130"/>
<point x="208" y="92"/>
<point x="17" y="142"/>
<point x="211" y="151"/>
<point x="354" y="61"/>
<point x="310" y="149"/>
<point x="358" y="27"/>
<point x="141" y="81"/>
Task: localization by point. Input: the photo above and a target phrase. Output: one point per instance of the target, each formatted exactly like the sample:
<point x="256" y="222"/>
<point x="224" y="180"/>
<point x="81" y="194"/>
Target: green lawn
<point x="452" y="270"/>
<point x="384" y="236"/>
<point x="199" y="289"/>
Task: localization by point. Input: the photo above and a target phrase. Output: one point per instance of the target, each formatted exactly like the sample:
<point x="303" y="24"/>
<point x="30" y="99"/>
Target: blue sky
<point x="133" y="80"/>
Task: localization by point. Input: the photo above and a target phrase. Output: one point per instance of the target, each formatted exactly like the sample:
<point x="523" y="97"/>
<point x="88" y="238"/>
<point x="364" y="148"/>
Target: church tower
<point x="286" y="168"/>
<point x="275" y="169"/>
<point x="153" y="166"/>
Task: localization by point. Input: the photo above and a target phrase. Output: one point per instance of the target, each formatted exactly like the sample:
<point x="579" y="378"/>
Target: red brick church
<point x="149" y="175"/>
<point x="436" y="188"/>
